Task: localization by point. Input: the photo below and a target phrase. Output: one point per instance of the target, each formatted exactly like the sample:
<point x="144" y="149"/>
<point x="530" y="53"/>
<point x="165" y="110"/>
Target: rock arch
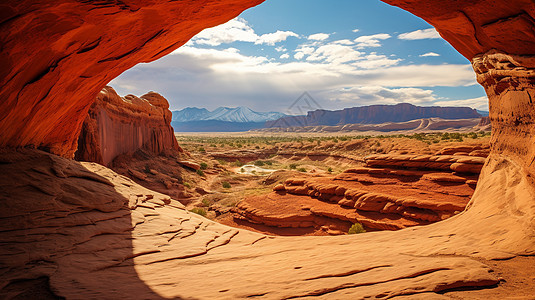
<point x="56" y="56"/>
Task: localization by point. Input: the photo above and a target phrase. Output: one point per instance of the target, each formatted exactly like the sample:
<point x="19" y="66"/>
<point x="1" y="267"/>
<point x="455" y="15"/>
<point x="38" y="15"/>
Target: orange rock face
<point x="57" y="56"/>
<point x="116" y="125"/>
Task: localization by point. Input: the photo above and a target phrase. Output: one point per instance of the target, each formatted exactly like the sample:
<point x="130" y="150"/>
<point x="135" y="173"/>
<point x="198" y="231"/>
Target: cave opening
<point x="78" y="230"/>
<point x="293" y="175"/>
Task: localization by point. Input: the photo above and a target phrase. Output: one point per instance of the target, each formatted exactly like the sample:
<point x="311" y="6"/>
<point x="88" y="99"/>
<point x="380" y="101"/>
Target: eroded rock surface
<point x="392" y="192"/>
<point x="96" y="234"/>
<point x="118" y="125"/>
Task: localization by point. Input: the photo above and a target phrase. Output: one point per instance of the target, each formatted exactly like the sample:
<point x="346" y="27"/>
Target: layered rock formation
<point x="96" y="235"/>
<point x="392" y="192"/>
<point x="117" y="125"/>
<point x="373" y="114"/>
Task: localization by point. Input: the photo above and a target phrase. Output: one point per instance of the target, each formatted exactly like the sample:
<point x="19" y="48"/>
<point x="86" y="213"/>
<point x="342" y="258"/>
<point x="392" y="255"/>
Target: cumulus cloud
<point x="275" y="37"/>
<point x="355" y="30"/>
<point x="371" y="40"/>
<point x="211" y="77"/>
<point x="421" y="34"/>
<point x="428" y="54"/>
<point x="285" y="56"/>
<point x="334" y="53"/>
<point x="343" y="42"/>
<point x="367" y="95"/>
<point x="281" y="49"/>
<point x="238" y="30"/>
<point x="318" y="36"/>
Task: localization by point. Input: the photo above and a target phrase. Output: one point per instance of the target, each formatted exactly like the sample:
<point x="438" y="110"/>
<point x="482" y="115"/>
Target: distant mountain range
<point x="225" y="119"/>
<point x="222" y="119"/>
<point x="373" y="114"/>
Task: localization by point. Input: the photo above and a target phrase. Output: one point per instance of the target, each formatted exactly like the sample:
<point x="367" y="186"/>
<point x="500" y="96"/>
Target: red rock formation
<point x="117" y="125"/>
<point x="391" y="193"/>
<point x="56" y="56"/>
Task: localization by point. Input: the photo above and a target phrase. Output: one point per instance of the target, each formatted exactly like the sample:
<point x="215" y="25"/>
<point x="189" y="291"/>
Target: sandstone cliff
<point x="374" y="114"/>
<point x="117" y="125"/>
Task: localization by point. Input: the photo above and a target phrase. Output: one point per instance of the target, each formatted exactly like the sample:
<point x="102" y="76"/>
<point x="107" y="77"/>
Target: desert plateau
<point x="398" y="189"/>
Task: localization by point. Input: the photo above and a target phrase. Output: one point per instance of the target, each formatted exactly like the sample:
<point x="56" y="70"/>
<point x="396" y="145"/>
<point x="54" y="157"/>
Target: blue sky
<point x="344" y="53"/>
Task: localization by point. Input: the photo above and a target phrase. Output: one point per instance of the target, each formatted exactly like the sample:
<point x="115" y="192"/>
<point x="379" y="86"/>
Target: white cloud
<point x="334" y="53"/>
<point x="318" y="36"/>
<point x="367" y="95"/>
<point x="428" y="54"/>
<point x="343" y="42"/>
<point x="299" y="55"/>
<point x="373" y="61"/>
<point x="281" y="49"/>
<point x="285" y="56"/>
<point x="421" y="34"/>
<point x="233" y="31"/>
<point x="355" y="30"/>
<point x="481" y="103"/>
<point x="275" y="37"/>
<point x="371" y="40"/>
<point x="238" y="30"/>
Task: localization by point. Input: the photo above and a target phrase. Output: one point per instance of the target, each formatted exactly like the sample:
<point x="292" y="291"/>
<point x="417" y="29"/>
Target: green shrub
<point x="302" y="170"/>
<point x="201" y="149"/>
<point x="242" y="170"/>
<point x="226" y="184"/>
<point x="200" y="172"/>
<point x="199" y="211"/>
<point x="356" y="228"/>
<point x="330" y="170"/>
<point x="238" y="163"/>
<point x="292" y="166"/>
<point x="259" y="163"/>
<point x="269" y="163"/>
<point x="187" y="185"/>
<point x="204" y="166"/>
<point x="206" y="202"/>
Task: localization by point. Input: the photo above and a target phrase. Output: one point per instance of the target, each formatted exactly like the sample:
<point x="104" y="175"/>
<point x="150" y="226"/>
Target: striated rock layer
<point x="392" y="192"/>
<point x="117" y="125"/>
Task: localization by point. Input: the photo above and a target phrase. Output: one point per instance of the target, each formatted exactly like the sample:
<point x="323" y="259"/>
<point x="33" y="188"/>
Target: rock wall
<point x="56" y="56"/>
<point x="374" y="114"/>
<point x="116" y="125"/>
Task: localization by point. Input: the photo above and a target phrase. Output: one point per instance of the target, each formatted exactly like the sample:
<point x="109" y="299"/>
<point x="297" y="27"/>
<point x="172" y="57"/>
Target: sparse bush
<point x="330" y="170"/>
<point x="302" y="170"/>
<point x="206" y="202"/>
<point x="204" y="166"/>
<point x="200" y="172"/>
<point x="201" y="149"/>
<point x="199" y="211"/>
<point x="259" y="163"/>
<point x="226" y="184"/>
<point x="269" y="163"/>
<point x="242" y="170"/>
<point x="187" y="185"/>
<point x="292" y="166"/>
<point x="238" y="163"/>
<point x="356" y="228"/>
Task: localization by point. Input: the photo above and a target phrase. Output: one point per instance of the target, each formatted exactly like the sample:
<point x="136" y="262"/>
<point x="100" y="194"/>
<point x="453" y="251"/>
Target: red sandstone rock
<point x="118" y="125"/>
<point x="192" y="165"/>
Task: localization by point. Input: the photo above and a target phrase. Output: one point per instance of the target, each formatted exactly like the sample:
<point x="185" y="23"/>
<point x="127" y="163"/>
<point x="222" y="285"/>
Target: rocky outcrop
<point x="117" y="125"/>
<point x="87" y="233"/>
<point x="392" y="192"/>
<point x="373" y="114"/>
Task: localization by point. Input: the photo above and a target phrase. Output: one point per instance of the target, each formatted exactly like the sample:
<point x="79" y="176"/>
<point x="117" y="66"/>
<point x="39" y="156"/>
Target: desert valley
<point x="106" y="196"/>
